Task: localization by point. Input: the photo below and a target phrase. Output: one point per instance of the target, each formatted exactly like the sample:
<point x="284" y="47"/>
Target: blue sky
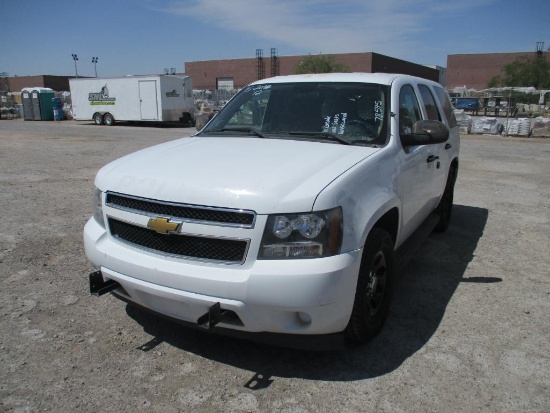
<point x="146" y="36"/>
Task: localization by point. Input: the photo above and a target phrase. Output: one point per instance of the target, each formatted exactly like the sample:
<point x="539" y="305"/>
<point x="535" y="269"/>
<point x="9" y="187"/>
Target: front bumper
<point x="304" y="297"/>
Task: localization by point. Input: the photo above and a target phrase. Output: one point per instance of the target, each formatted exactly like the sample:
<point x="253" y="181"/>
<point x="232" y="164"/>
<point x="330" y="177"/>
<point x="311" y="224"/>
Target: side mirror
<point x="425" y="132"/>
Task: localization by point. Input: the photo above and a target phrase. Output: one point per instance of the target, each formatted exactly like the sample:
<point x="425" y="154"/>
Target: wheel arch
<point x="389" y="222"/>
<point x="387" y="218"/>
<point x="98" y="113"/>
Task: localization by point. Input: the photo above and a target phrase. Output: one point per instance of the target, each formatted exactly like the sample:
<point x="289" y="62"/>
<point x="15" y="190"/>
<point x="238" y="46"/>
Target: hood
<point x="263" y="175"/>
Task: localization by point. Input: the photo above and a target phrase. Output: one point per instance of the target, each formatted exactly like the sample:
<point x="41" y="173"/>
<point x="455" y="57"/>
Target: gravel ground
<point x="469" y="329"/>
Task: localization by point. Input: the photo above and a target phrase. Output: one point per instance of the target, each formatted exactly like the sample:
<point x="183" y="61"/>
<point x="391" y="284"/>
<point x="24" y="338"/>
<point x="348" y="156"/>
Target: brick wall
<point x="57" y="83"/>
<point x="244" y="71"/>
<point x="476" y="70"/>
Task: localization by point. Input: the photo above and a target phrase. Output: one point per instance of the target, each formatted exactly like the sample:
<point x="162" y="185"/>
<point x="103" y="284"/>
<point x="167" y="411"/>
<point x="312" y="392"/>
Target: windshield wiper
<point x="328" y="135"/>
<point x="249" y="129"/>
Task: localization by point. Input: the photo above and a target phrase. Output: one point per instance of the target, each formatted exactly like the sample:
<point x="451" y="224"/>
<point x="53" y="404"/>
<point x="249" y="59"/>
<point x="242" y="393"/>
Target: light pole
<point x="94" y="61"/>
<point x="75" y="58"/>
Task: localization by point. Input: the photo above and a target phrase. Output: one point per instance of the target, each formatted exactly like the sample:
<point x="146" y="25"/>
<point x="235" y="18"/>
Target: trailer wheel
<point x="98" y="119"/>
<point x="109" y="119"/>
<point x="186" y="119"/>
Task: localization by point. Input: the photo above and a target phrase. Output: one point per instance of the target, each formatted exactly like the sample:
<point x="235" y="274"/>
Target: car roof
<point x="378" y="78"/>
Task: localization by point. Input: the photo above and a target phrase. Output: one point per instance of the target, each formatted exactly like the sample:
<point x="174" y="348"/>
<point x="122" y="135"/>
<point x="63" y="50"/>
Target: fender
<point x="366" y="192"/>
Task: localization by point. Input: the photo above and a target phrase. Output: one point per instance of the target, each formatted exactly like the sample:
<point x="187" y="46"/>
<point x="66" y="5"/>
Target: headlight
<point x="307" y="235"/>
<point x="97" y="197"/>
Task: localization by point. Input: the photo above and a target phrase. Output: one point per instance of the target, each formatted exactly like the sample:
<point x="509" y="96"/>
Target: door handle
<point x="448" y="146"/>
<point x="432" y="158"/>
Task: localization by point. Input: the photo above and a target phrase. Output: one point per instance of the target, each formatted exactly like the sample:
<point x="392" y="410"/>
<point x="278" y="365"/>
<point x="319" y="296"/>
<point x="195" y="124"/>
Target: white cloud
<point x="327" y="26"/>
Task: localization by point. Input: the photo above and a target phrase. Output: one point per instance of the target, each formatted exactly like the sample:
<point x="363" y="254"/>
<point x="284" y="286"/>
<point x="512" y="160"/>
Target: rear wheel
<point x="445" y="207"/>
<point x="98" y="119"/>
<point x="374" y="288"/>
<point x="109" y="119"/>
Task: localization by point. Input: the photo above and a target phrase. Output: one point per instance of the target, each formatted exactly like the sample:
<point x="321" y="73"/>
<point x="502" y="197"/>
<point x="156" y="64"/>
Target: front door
<point x="148" y="99"/>
<point x="418" y="171"/>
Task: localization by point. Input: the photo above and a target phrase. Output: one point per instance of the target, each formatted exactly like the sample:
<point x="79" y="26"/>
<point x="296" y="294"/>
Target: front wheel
<point x="98" y="119"/>
<point x="374" y="288"/>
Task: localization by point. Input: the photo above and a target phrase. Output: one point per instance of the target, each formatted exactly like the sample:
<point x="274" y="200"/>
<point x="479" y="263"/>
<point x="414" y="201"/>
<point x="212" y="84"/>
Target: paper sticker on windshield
<point x="378" y="113"/>
<point x="335" y="123"/>
<point x="257" y="89"/>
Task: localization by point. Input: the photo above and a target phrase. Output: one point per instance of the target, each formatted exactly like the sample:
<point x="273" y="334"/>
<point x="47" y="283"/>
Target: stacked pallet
<point x="518" y="127"/>
<point x="541" y="127"/>
<point x="487" y="125"/>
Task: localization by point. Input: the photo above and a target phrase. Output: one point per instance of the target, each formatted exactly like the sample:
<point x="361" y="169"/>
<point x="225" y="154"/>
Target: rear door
<point x="452" y="146"/>
<point x="437" y="151"/>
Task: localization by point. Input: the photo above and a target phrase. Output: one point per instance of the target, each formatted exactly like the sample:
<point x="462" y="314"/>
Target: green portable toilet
<point x="40" y="104"/>
<point x="45" y="96"/>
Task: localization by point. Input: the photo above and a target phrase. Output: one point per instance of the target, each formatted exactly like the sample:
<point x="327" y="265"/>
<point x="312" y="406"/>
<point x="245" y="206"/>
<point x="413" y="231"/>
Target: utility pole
<point x="94" y="61"/>
<point x="540" y="47"/>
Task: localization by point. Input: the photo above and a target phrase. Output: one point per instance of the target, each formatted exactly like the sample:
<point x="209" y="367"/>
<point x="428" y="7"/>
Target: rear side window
<point x="429" y="103"/>
<point x="447" y="107"/>
<point x="409" y="109"/>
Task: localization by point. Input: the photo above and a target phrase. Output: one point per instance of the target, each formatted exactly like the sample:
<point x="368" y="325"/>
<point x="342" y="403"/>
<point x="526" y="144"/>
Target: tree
<point x="319" y="64"/>
<point x="524" y="71"/>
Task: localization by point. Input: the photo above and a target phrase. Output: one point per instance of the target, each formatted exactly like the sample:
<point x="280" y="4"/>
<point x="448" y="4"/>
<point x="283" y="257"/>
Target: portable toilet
<point x="26" y="100"/>
<point x="40" y="106"/>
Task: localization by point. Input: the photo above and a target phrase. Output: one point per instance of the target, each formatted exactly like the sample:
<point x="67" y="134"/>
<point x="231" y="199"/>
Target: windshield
<point x="348" y="113"/>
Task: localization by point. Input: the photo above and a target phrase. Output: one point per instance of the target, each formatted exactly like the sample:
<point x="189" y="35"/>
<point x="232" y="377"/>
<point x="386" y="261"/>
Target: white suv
<point x="287" y="213"/>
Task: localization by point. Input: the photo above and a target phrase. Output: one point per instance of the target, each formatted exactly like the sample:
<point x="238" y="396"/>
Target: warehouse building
<point x="16" y="83"/>
<point x="470" y="71"/>
<point x="474" y="71"/>
<point x="236" y="73"/>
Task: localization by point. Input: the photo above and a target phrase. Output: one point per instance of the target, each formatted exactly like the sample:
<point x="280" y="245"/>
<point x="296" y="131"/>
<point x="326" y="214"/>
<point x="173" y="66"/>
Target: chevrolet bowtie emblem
<point x="162" y="225"/>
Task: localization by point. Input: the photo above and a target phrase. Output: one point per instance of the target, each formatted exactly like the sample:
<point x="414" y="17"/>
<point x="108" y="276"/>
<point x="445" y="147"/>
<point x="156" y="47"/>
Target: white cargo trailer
<point x="155" y="98"/>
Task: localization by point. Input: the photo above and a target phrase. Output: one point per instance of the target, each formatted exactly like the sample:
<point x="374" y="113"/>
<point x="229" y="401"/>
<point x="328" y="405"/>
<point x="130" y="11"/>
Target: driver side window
<point x="245" y="116"/>
<point x="251" y="113"/>
<point x="409" y="109"/>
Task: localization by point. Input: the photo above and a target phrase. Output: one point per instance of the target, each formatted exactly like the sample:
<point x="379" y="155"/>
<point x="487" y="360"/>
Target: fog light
<point x="304" y="317"/>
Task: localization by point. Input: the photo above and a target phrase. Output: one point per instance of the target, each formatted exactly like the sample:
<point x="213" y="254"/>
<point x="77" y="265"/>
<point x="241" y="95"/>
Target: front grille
<point x="187" y="212"/>
<point x="203" y="248"/>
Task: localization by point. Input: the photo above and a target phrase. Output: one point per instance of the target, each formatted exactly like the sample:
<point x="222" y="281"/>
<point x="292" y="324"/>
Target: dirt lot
<point x="469" y="329"/>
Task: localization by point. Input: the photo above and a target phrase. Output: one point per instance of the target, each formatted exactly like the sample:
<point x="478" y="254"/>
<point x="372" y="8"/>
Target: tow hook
<point x="99" y="287"/>
<point x="212" y="317"/>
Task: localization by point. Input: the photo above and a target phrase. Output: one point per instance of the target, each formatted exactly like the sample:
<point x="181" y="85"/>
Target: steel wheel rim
<point x="376" y="284"/>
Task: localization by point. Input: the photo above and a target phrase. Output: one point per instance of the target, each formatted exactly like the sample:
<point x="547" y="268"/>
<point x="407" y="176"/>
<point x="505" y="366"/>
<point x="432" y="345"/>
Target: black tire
<point x="374" y="288"/>
<point x="98" y="119"/>
<point x="445" y="207"/>
<point x="109" y="119"/>
<point x="186" y="119"/>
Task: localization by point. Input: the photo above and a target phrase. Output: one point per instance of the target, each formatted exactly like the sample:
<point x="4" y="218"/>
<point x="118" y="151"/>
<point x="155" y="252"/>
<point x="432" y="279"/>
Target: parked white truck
<point x="156" y="98"/>
<point x="287" y="214"/>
